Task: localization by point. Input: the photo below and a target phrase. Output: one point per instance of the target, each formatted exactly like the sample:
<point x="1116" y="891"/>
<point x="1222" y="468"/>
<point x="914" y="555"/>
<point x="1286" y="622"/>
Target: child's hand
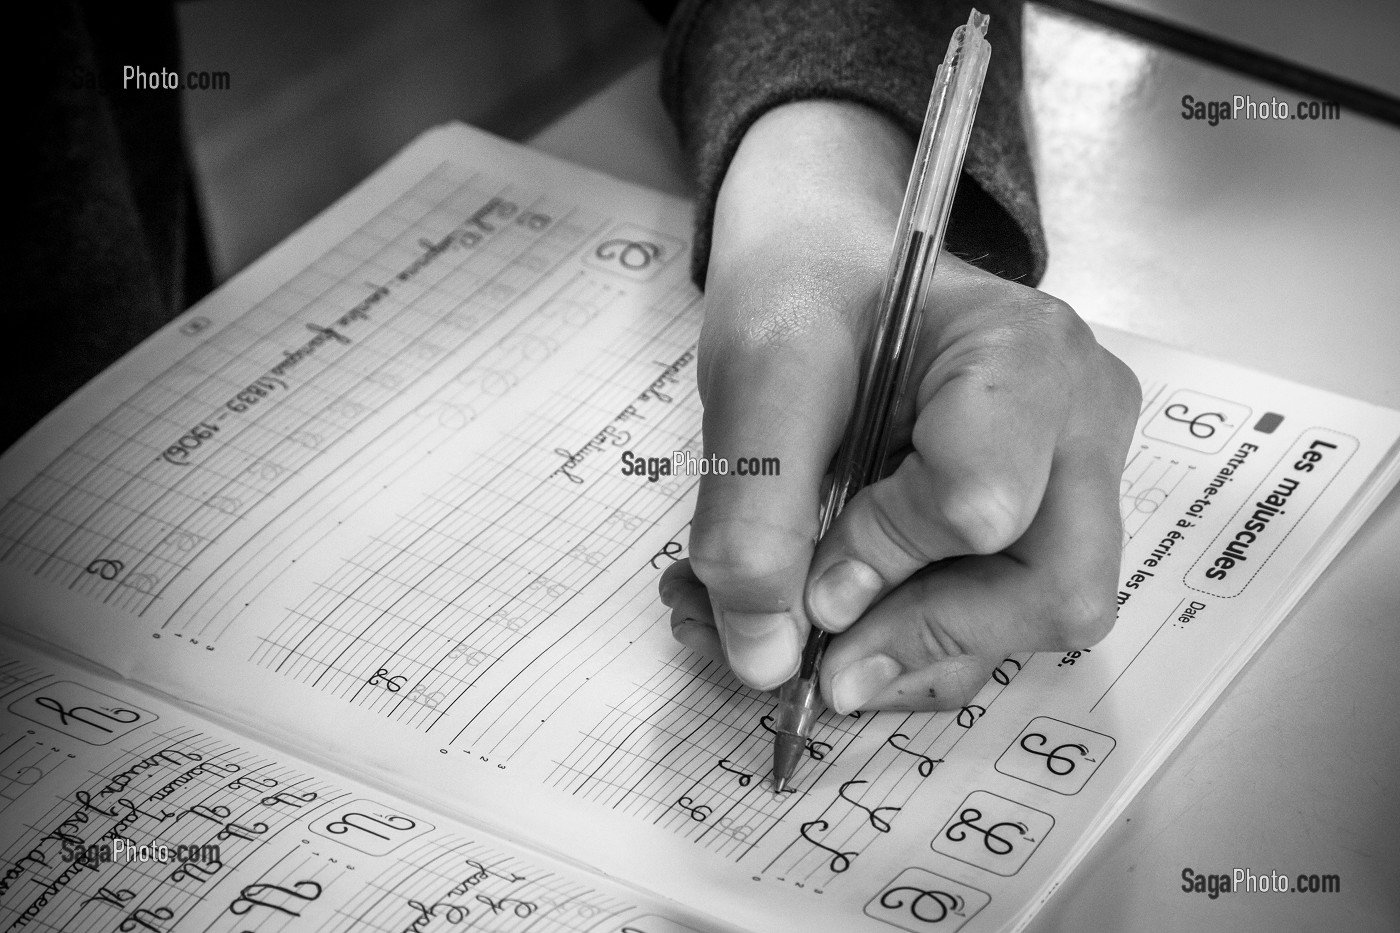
<point x="999" y="532"/>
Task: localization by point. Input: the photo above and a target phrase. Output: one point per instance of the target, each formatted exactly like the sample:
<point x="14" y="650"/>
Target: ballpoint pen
<point x="923" y="220"/>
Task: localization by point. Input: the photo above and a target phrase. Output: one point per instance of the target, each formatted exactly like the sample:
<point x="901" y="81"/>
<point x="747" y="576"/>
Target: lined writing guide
<point x="365" y="508"/>
<point x="122" y="813"/>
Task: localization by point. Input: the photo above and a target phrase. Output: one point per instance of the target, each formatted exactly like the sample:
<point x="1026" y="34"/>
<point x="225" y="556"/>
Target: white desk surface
<point x="1349" y="39"/>
<point x="1273" y="245"/>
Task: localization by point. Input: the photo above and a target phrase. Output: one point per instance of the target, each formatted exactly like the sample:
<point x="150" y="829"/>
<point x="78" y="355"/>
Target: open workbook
<point x="333" y="607"/>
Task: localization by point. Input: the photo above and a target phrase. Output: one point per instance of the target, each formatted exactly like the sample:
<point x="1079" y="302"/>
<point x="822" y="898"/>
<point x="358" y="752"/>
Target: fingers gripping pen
<point x="923" y="220"/>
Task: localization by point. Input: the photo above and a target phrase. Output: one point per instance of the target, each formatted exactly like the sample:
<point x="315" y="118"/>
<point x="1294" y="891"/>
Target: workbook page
<point x="399" y="496"/>
<point x="120" y="812"/>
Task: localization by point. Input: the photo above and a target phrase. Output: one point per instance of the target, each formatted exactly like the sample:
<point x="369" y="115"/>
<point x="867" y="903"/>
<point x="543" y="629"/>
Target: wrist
<point x="814" y="173"/>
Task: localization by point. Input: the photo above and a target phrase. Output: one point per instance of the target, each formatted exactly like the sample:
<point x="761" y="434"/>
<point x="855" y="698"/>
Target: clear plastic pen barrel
<point x="870" y="433"/>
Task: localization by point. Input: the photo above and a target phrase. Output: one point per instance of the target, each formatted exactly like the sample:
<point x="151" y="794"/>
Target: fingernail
<point x="698" y="637"/>
<point x="844" y="591"/>
<point x="762" y="647"/>
<point x="861" y="681"/>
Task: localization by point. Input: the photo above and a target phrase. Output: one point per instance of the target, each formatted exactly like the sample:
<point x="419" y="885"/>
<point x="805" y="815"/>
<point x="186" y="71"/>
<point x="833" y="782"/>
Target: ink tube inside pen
<point x="923" y="221"/>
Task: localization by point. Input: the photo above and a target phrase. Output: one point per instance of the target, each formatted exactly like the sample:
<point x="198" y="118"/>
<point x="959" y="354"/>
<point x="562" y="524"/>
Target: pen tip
<point x="787" y="752"/>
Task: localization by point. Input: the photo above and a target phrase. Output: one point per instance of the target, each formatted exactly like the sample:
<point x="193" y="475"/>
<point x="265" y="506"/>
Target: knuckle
<point x="980" y="518"/>
<point x="1059" y="338"/>
<point x="1079" y="619"/>
<point x="892" y="524"/>
<point x="932" y="641"/>
<point x="1124" y="389"/>
<point x="731" y="556"/>
<point x="727" y="351"/>
<point x="1063" y="324"/>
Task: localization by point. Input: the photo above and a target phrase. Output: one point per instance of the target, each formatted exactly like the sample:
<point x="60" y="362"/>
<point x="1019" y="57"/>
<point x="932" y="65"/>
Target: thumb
<point x="773" y="403"/>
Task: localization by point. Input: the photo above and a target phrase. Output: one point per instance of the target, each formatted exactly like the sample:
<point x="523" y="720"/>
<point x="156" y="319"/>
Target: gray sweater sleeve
<point x="728" y="61"/>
